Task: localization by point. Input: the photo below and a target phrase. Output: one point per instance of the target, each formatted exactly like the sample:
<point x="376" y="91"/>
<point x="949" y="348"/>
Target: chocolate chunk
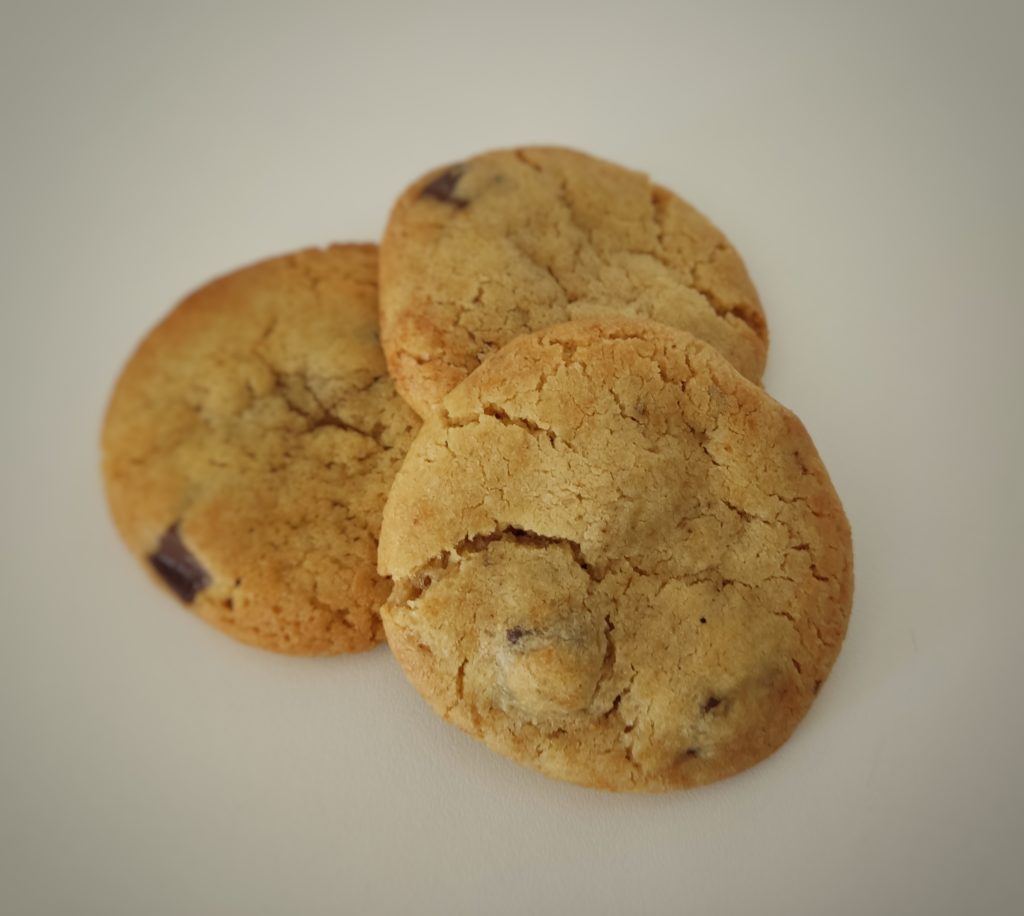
<point x="442" y="188"/>
<point x="710" y="704"/>
<point x="178" y="567"/>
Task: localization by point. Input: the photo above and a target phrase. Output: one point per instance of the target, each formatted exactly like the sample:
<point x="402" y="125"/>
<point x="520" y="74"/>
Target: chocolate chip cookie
<point x="249" y="447"/>
<point x="513" y="241"/>
<point x="639" y="574"/>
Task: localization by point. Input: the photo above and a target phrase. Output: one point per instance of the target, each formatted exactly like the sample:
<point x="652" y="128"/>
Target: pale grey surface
<point x="865" y="158"/>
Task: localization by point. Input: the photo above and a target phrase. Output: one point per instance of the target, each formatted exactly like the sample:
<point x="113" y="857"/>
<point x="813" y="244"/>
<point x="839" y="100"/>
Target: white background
<point x="867" y="161"/>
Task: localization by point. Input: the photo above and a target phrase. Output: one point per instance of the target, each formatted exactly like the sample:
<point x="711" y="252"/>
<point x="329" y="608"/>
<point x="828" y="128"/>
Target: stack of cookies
<point x="528" y="447"/>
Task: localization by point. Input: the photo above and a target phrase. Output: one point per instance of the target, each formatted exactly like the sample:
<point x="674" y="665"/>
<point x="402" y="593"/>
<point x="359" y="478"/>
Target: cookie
<point x="513" y="241"/>
<point x="249" y="447"/>
<point x="640" y="573"/>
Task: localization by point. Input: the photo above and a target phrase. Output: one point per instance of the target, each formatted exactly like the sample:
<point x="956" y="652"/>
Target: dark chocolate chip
<point x="692" y="752"/>
<point x="177" y="566"/>
<point x="711" y="703"/>
<point x="703" y="620"/>
<point x="442" y="188"/>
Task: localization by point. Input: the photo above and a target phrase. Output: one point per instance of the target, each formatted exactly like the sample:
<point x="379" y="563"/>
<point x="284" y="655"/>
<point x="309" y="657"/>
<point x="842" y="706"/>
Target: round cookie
<point x="249" y="447"/>
<point x="640" y="573"/>
<point x="512" y="241"/>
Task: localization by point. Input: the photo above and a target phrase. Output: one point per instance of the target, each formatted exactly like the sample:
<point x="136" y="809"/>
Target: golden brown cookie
<point x="249" y="447"/>
<point x="513" y="241"/>
<point x="639" y="573"/>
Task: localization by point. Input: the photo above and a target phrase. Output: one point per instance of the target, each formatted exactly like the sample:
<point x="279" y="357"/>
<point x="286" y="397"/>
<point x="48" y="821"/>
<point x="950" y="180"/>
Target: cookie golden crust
<point x="517" y="240"/>
<point x="249" y="447"/>
<point x="639" y="573"/>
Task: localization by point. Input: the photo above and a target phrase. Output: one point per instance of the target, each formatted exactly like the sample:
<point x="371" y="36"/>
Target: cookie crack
<point x="690" y="272"/>
<point x="565" y="198"/>
<point x="460" y="686"/>
<point x="415" y="583"/>
<point x="516" y="319"/>
<point x="568" y="298"/>
<point x="324" y="416"/>
<point x="583" y="231"/>
<point x="608" y="662"/>
<point x="749" y="517"/>
<point x="527" y="538"/>
<point x="660" y="199"/>
<point x="495" y="412"/>
<point x="743" y="311"/>
<point x="570" y="352"/>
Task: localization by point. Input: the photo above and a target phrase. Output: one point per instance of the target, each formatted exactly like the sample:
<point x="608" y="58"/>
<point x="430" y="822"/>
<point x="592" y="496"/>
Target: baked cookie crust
<point x="512" y="241"/>
<point x="249" y="446"/>
<point x="616" y="560"/>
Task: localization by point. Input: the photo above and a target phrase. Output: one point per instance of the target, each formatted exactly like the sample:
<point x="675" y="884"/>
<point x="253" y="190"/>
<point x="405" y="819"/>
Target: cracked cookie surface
<point x="513" y="241"/>
<point x="640" y="573"/>
<point x="249" y="446"/>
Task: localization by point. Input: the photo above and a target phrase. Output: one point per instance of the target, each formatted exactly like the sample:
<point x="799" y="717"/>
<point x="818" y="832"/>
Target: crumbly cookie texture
<point x="639" y="573"/>
<point x="513" y="241"/>
<point x="249" y="447"/>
